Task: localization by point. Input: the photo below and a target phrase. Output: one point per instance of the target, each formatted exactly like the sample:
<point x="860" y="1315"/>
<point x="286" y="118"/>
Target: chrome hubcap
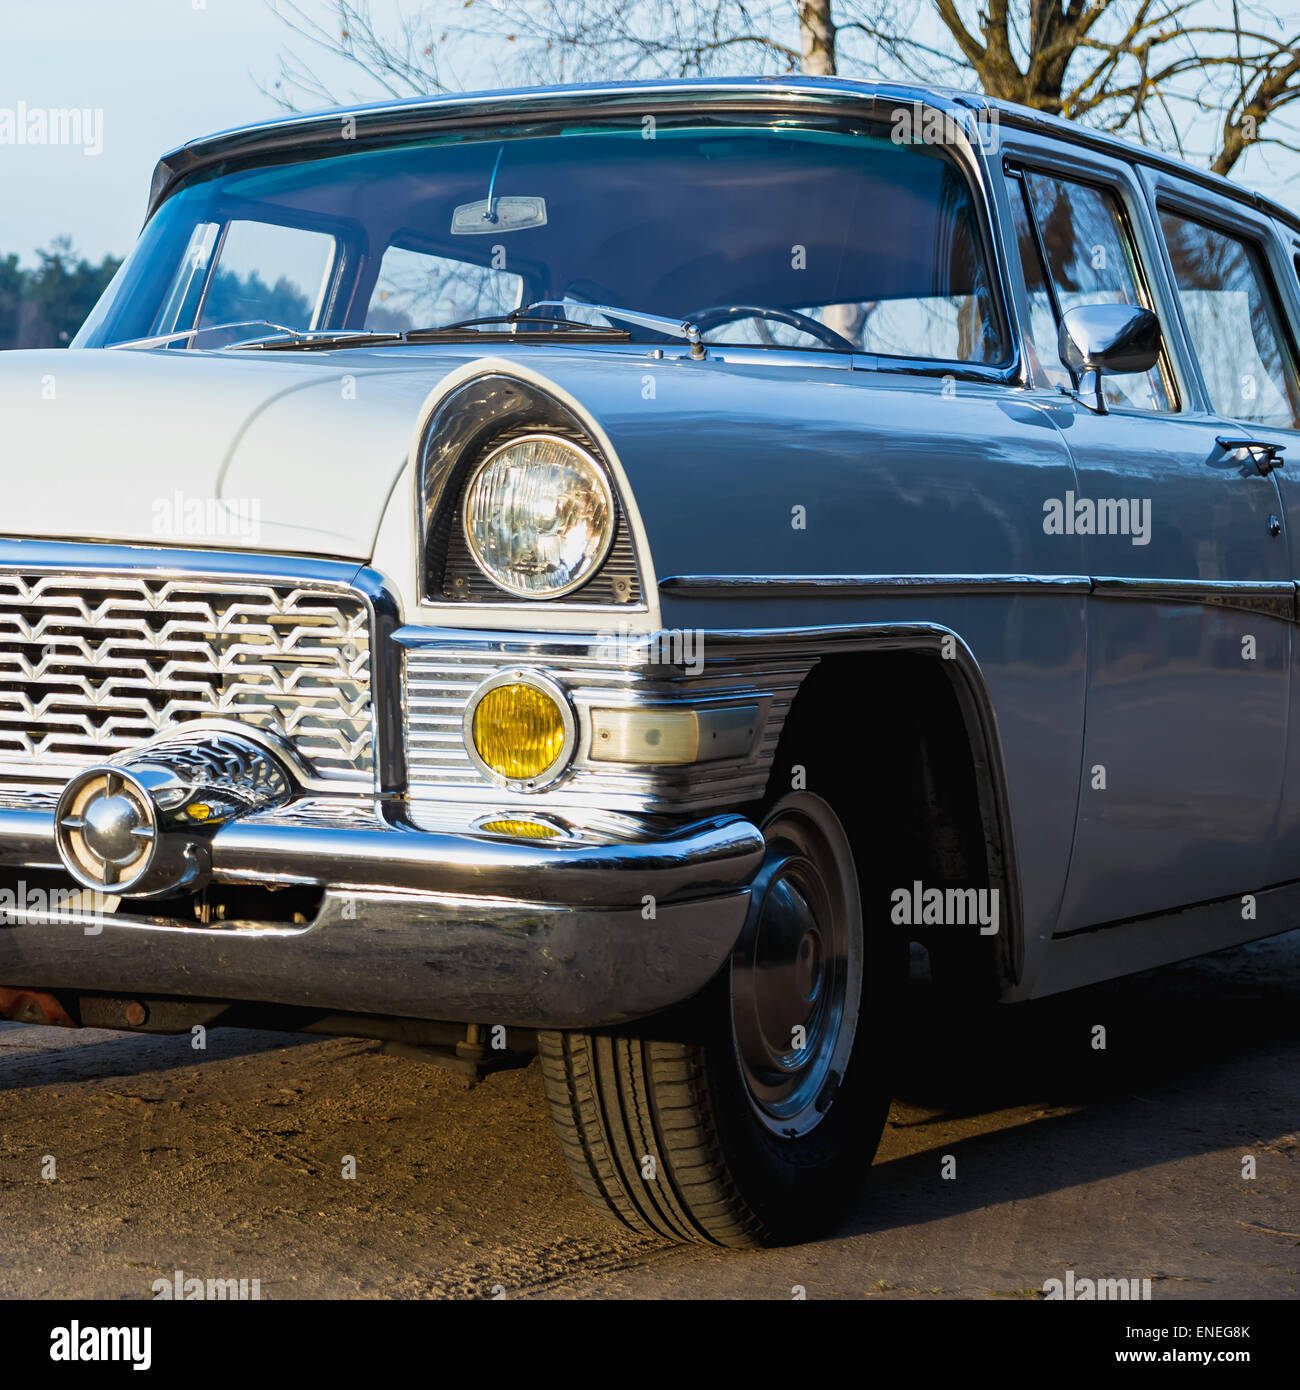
<point x="796" y="978"/>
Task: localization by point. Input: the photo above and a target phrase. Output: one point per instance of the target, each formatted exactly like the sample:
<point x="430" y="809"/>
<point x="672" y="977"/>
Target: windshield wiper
<point x="320" y="340"/>
<point x="468" y="330"/>
<point x="675" y="328"/>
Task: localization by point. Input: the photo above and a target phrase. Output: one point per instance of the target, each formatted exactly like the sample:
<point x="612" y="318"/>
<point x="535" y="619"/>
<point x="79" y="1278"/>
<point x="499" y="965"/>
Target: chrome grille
<point x="441" y="676"/>
<point x="92" y="664"/>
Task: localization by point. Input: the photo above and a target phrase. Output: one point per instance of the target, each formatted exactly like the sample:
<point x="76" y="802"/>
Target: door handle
<point x="1265" y="456"/>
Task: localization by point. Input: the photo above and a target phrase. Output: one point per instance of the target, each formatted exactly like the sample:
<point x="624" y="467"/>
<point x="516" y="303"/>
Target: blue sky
<point x="162" y="72"/>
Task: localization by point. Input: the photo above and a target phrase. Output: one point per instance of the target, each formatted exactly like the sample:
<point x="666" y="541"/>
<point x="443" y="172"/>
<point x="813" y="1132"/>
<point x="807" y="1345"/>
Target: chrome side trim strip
<point x="853" y="585"/>
<point x="1272" y="599"/>
<point x="1275" y="598"/>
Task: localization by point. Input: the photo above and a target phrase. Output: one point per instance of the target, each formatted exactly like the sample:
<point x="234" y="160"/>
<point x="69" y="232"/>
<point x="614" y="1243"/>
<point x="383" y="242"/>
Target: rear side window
<point x="1235" y="323"/>
<point x="1075" y="235"/>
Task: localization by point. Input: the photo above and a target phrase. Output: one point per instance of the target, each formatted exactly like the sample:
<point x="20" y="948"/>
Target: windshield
<point x="811" y="233"/>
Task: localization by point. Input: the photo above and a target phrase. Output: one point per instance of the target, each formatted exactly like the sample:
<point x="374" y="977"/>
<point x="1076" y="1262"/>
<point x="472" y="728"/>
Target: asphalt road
<point x="229" y="1163"/>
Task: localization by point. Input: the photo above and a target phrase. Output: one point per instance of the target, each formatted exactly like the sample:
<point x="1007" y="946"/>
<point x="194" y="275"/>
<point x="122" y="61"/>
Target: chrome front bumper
<point x="456" y="925"/>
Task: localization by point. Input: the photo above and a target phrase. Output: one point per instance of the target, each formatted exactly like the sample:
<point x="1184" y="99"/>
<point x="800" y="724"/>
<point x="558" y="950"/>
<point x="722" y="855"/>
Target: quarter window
<point x="1235" y="323"/>
<point x="268" y="272"/>
<point x="1076" y="235"/>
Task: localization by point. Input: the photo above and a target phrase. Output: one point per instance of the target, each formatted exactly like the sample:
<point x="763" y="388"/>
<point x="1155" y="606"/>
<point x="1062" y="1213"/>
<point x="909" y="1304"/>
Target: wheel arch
<point x="932" y="673"/>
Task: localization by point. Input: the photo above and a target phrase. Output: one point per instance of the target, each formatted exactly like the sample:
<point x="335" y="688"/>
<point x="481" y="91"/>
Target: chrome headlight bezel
<point x="598" y="476"/>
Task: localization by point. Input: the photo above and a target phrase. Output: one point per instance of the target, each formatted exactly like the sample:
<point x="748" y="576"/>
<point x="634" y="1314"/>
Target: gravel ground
<point x="229" y="1163"/>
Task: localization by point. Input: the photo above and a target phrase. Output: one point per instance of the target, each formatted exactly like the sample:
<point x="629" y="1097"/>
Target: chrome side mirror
<point x="1115" y="338"/>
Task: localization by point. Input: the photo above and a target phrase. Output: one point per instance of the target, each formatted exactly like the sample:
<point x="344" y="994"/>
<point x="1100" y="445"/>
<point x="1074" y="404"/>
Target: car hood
<point x="232" y="450"/>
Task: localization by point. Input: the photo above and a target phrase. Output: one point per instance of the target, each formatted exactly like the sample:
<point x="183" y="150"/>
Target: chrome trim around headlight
<point x="480" y="414"/>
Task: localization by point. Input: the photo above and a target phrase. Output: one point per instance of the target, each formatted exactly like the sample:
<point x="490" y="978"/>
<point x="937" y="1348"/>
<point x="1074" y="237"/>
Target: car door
<point x="1232" y="273"/>
<point x="1189" y="631"/>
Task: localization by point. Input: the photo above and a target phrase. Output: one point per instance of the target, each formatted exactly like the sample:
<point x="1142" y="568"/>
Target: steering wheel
<point x="729" y="313"/>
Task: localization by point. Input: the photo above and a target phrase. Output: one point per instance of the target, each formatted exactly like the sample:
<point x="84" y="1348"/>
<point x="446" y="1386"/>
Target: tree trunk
<point x="817" y="33"/>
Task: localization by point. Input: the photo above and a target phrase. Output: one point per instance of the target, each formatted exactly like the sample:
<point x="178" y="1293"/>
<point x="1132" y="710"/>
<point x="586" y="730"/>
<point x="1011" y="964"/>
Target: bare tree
<point x="1155" y="69"/>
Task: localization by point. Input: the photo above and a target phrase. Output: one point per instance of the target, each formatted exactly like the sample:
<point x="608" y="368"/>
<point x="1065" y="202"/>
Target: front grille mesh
<point x="94" y="664"/>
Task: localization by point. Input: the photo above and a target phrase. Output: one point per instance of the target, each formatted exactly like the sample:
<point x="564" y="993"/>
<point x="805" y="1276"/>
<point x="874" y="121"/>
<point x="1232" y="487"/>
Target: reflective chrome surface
<point x="142" y="824"/>
<point x="599" y="672"/>
<point x="495" y="407"/>
<point x="352" y="849"/>
<point x="678" y="328"/>
<point x="828" y="585"/>
<point x="1109" y="338"/>
<point x="104" y="647"/>
<point x="1277" y="598"/>
<point x="459" y="959"/>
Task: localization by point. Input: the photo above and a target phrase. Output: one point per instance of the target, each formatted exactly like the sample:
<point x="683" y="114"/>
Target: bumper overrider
<point x="460" y="926"/>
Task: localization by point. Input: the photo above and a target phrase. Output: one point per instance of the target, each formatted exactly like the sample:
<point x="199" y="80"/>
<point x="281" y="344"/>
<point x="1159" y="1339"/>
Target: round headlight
<point x="539" y="516"/>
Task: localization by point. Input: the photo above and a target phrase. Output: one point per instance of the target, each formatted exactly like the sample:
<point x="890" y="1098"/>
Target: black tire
<point x="667" y="1136"/>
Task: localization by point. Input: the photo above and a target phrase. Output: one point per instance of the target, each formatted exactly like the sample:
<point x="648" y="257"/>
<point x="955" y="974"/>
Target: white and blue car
<point x="600" y="570"/>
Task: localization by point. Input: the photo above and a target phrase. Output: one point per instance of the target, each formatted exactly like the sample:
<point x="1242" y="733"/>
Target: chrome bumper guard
<point x="456" y="926"/>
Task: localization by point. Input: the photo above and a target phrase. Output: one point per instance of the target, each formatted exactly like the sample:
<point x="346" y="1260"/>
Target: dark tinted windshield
<point x="829" y="222"/>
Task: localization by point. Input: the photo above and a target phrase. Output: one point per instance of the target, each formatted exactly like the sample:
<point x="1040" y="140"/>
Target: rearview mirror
<point x="1114" y="338"/>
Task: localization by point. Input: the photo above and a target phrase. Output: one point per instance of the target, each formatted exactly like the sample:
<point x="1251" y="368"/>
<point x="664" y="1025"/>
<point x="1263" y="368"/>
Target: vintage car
<point x="610" y="571"/>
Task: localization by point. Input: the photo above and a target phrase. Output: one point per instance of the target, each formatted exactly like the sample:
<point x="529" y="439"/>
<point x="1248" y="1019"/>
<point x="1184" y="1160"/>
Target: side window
<point x="416" y="290"/>
<point x="1076" y="249"/>
<point x="267" y="271"/>
<point x="1235" y="323"/>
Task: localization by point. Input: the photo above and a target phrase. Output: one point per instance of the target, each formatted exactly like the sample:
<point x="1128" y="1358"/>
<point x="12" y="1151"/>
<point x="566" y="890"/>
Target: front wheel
<point x="761" y="1132"/>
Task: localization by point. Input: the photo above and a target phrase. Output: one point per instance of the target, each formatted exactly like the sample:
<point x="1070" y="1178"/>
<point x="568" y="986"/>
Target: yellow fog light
<point x="519" y="729"/>
<point x="523" y="829"/>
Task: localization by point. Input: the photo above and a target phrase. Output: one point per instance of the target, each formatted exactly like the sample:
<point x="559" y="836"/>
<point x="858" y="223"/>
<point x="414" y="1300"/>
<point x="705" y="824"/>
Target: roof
<point x="407" y="117"/>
